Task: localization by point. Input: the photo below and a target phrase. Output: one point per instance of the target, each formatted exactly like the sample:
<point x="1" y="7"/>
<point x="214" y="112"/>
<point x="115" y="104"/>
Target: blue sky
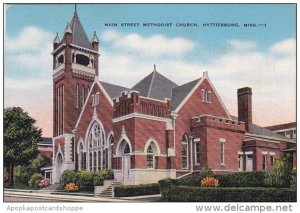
<point x="260" y="57"/>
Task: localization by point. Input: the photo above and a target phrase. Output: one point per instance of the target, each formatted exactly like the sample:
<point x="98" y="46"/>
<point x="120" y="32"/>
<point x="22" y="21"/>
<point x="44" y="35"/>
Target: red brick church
<point x="153" y="130"/>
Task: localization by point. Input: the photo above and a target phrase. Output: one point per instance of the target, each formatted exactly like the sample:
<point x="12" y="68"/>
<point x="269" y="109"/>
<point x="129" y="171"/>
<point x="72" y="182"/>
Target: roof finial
<point x="155" y="67"/>
<point x="95" y="38"/>
<point x="56" y="39"/>
<point x="75" y="12"/>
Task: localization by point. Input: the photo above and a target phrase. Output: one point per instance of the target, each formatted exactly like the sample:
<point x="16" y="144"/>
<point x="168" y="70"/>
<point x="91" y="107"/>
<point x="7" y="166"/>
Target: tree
<point x="20" y="139"/>
<point x="279" y="175"/>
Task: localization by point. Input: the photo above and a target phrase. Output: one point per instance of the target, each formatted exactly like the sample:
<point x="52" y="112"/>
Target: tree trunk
<point x="11" y="174"/>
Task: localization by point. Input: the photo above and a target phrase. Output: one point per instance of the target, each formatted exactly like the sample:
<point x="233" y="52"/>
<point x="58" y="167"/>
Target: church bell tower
<point x="75" y="67"/>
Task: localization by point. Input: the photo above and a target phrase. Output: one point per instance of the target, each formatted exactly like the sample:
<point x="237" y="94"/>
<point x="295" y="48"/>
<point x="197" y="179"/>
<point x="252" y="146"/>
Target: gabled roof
<point x="79" y="36"/>
<point x="155" y="86"/>
<point x="180" y="92"/>
<point x="258" y="130"/>
<point x="113" y="90"/>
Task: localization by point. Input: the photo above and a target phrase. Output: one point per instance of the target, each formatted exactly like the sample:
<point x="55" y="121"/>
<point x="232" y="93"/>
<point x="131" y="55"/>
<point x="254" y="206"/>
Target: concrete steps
<point x="109" y="191"/>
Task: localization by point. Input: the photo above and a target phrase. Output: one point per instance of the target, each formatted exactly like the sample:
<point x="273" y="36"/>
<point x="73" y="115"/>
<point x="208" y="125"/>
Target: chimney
<point x="245" y="107"/>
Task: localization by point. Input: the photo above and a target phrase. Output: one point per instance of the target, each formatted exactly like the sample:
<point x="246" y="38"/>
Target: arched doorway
<point x="126" y="163"/>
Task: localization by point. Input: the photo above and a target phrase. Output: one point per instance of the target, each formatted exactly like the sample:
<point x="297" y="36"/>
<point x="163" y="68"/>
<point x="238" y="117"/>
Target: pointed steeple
<point x="68" y="28"/>
<point x="56" y="39"/>
<point x="95" y="38"/>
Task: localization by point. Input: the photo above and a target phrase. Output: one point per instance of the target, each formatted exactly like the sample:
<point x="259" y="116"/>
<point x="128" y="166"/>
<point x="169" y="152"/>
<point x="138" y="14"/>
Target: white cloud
<point x="110" y="35"/>
<point x="242" y="45"/>
<point x="30" y="39"/>
<point x="30" y="50"/>
<point x="271" y="77"/>
<point x="28" y="80"/>
<point x="155" y="45"/>
<point x="26" y="85"/>
<point x="285" y="47"/>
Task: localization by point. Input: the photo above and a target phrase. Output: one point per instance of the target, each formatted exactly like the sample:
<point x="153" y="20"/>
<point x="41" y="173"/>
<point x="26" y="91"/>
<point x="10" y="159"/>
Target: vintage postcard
<point x="150" y="103"/>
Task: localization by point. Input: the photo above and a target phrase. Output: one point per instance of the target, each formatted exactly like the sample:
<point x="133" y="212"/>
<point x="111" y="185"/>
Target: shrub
<point x="37" y="163"/>
<point x="44" y="183"/>
<point x="136" y="190"/>
<point x="210" y="181"/>
<point x="242" y="179"/>
<point x="22" y="174"/>
<point x="85" y="181"/>
<point x="206" y="172"/>
<point x="68" y="176"/>
<point x="106" y="174"/>
<point x="194" y="179"/>
<point x="229" y="194"/>
<point x="279" y="175"/>
<point x="35" y="180"/>
<point x="71" y="187"/>
<point x="97" y="180"/>
<point x="294" y="178"/>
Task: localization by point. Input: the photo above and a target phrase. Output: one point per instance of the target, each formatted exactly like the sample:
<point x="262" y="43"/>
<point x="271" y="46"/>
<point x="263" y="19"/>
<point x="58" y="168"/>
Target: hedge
<point x="227" y="194"/>
<point x="136" y="190"/>
<point x="85" y="180"/>
<point x="242" y="179"/>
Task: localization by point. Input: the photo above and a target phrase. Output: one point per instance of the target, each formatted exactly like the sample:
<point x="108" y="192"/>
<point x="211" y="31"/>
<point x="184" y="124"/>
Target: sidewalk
<point x="77" y="197"/>
<point x="143" y="198"/>
<point x="55" y="197"/>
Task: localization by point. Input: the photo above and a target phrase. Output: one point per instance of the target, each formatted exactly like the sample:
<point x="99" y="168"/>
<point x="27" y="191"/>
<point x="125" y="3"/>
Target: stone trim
<point x="138" y="115"/>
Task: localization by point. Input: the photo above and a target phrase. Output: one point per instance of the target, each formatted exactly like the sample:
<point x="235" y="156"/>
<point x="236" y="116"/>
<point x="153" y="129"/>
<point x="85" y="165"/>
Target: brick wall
<point x="195" y="107"/>
<point x="104" y="112"/>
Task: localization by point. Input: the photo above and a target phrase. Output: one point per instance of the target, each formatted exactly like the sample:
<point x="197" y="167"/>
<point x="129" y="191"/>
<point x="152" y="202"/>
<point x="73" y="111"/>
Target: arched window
<point x="59" y="158"/>
<point x="151" y="153"/>
<point x="82" y="59"/>
<point x="81" y="158"/>
<point x="184" y="151"/>
<point x="126" y="149"/>
<point x="60" y="60"/>
<point x="111" y="142"/>
<point x="97" y="149"/>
